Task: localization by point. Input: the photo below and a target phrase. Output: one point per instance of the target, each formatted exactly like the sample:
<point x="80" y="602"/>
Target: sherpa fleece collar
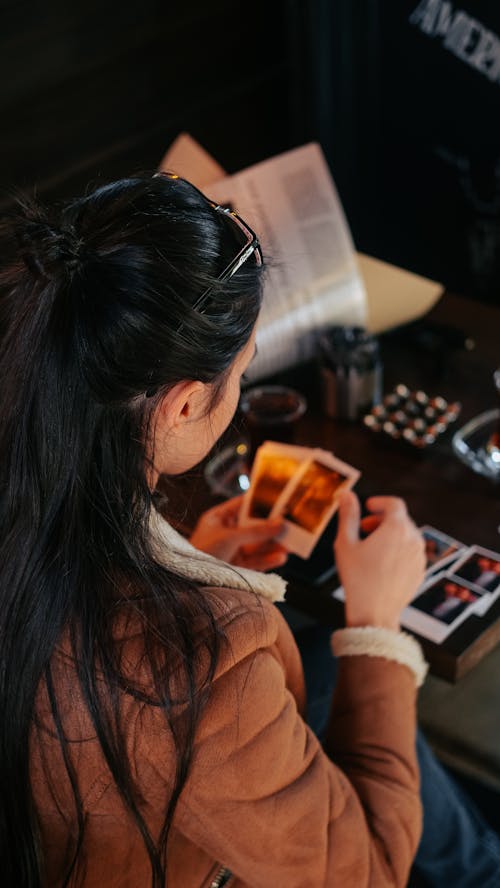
<point x="175" y="552"/>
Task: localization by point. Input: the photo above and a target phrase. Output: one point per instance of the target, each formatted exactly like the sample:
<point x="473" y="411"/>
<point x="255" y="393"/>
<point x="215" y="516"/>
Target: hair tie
<point x="46" y="250"/>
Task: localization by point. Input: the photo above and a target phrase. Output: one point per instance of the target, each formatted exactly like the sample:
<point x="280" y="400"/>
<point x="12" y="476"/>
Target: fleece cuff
<point x="374" y="641"/>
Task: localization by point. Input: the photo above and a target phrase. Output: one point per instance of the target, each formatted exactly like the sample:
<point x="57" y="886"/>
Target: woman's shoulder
<point x="242" y="621"/>
<point x="249" y="622"/>
<point x="240" y="608"/>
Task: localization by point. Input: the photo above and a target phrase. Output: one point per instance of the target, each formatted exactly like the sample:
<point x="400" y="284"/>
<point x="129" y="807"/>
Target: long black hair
<point x="96" y="310"/>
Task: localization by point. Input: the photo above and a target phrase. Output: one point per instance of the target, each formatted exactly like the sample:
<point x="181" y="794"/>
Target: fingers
<point x="264" y="557"/>
<point x="233" y="505"/>
<point x="380" y="506"/>
<point x="386" y="505"/>
<point x="260" y="532"/>
<point x="349" y="517"/>
<point x="370" y="523"/>
<point x="225" y="513"/>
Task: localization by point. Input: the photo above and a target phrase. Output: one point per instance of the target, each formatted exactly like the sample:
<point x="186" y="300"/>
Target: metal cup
<point x="350" y="370"/>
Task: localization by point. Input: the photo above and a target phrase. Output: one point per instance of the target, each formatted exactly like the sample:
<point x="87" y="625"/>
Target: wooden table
<point x="452" y="352"/>
<point x="438" y="488"/>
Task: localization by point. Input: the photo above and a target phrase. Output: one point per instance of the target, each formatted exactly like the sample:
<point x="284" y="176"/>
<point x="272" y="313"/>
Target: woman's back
<point x="152" y="704"/>
<point x="262" y="799"/>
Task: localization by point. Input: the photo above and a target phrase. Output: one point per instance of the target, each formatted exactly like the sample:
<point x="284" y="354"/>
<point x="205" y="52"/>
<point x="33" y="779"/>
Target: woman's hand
<point x="381" y="573"/>
<point x="218" y="533"/>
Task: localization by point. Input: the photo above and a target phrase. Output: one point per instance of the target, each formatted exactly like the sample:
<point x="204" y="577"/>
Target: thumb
<point x="349" y="517"/>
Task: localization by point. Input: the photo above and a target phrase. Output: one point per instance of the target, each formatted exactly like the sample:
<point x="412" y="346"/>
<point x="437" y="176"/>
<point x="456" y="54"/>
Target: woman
<point x="151" y="695"/>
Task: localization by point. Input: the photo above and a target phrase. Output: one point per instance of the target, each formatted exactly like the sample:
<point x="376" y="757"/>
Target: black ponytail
<point x="96" y="309"/>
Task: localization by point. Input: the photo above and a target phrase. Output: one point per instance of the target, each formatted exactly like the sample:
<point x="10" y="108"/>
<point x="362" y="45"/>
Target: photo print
<point x="440" y="549"/>
<point x="273" y="467"/>
<point x="299" y="485"/>
<point x="479" y="569"/>
<point x="440" y="607"/>
<point x="310" y="500"/>
<point x="312" y="496"/>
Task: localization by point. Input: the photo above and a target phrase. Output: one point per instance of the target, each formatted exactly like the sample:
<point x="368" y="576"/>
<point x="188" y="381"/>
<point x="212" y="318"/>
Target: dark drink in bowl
<point x="270" y="413"/>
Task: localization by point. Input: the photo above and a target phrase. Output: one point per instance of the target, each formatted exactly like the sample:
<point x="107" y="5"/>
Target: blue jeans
<point x="458" y="848"/>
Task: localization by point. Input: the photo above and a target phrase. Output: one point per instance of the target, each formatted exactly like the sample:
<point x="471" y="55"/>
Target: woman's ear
<point x="179" y="428"/>
<point x="185" y="401"/>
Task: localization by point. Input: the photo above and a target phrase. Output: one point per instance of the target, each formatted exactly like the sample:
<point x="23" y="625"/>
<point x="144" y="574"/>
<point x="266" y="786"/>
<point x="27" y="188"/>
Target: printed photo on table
<point x="440" y="549"/>
<point x="479" y="567"/>
<point x="440" y="606"/>
<point x="445" y="600"/>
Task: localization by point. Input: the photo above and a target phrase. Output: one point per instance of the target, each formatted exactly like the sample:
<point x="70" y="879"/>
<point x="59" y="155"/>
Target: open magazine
<point x="313" y="279"/>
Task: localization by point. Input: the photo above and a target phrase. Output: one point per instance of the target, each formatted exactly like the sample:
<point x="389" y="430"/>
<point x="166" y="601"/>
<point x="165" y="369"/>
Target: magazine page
<point x="313" y="280"/>
<point x="383" y="283"/>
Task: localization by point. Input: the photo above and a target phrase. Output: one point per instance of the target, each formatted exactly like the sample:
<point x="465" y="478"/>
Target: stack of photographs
<point x="460" y="581"/>
<point x="300" y="485"/>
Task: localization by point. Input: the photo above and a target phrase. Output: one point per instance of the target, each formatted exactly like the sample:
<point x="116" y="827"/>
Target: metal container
<point x="351" y="371"/>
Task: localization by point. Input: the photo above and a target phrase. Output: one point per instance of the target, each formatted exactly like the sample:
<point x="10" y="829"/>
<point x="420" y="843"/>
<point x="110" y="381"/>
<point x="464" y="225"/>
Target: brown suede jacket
<point x="263" y="798"/>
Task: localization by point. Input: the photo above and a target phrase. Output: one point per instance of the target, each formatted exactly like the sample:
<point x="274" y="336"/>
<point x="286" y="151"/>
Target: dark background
<point x="95" y="90"/>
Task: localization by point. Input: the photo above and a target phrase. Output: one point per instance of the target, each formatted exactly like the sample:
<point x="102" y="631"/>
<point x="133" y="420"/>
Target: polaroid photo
<point x="479" y="569"/>
<point x="441" y="550"/>
<point x="310" y="499"/>
<point x="441" y="605"/>
<point x="273" y="467"/>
